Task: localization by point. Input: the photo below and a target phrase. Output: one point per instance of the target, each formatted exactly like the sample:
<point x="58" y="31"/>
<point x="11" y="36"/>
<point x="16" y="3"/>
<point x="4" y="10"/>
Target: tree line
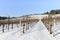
<point x="53" y="12"/>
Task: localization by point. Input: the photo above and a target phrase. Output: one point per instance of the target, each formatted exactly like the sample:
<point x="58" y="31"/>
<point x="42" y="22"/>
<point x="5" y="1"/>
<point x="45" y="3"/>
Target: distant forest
<point x="51" y="12"/>
<point x="2" y="18"/>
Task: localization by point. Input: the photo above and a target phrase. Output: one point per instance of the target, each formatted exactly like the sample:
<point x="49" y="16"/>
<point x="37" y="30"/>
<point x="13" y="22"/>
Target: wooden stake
<point x="8" y="27"/>
<point x="3" y="28"/>
<point x="12" y="25"/>
<point x="21" y="28"/>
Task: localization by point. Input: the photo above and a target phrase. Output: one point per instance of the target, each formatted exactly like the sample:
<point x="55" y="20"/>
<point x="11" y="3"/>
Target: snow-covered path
<point x="39" y="32"/>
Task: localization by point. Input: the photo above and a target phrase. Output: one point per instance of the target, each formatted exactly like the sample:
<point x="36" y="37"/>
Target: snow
<point x="7" y="33"/>
<point x="57" y="32"/>
<point x="38" y="32"/>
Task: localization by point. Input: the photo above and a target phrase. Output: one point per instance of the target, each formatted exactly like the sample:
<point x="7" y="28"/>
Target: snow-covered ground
<point x="57" y="32"/>
<point x="6" y="33"/>
<point x="37" y="32"/>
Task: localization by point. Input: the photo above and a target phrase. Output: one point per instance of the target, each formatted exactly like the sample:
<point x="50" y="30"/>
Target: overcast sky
<point x="24" y="7"/>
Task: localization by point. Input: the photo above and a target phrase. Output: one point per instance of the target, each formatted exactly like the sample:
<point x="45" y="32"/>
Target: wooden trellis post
<point x="12" y="25"/>
<point x="21" y="28"/>
<point x="27" y="23"/>
<point x="53" y="28"/>
<point x="8" y="27"/>
<point x="3" y="28"/>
